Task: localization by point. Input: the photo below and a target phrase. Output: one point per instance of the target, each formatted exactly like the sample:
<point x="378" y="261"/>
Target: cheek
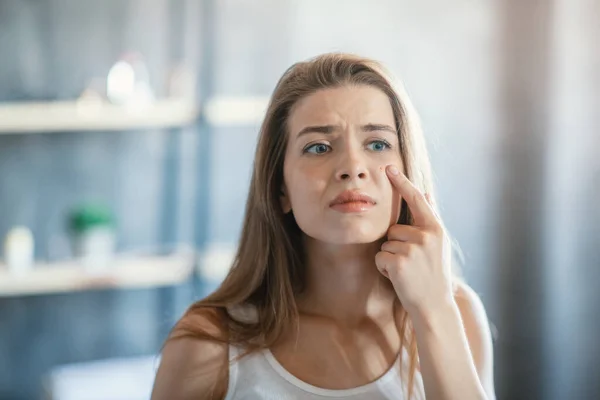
<point x="391" y="200"/>
<point x="303" y="186"/>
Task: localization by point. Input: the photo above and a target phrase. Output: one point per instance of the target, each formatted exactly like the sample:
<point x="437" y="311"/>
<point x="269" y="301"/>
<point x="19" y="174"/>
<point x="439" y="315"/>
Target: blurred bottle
<point x="93" y="233"/>
<point x="19" y="250"/>
<point x="128" y="82"/>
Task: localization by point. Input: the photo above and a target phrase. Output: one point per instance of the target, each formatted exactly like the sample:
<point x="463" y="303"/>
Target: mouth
<point x="352" y="201"/>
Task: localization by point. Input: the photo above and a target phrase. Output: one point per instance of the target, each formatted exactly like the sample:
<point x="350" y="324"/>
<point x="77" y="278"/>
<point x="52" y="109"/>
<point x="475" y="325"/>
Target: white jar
<point x="19" y="250"/>
<point x="96" y="247"/>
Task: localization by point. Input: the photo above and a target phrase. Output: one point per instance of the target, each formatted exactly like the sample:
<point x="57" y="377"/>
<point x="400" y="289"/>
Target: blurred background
<point x="127" y="132"/>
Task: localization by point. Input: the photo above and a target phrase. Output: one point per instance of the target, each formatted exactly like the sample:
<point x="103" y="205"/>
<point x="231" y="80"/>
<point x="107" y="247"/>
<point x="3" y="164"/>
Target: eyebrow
<point x="327" y="129"/>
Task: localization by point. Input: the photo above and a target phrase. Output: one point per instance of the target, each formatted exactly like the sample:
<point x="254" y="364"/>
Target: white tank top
<point x="259" y="376"/>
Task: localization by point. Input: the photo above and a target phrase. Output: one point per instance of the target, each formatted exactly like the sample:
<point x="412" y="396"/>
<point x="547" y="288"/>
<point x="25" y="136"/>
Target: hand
<point x="414" y="257"/>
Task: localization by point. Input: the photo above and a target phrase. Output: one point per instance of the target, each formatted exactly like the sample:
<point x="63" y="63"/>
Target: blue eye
<point x="317" y="148"/>
<point x="379" y="145"/>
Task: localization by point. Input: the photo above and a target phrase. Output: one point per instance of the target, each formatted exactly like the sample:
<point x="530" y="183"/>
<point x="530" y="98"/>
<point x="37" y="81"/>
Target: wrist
<point x="436" y="319"/>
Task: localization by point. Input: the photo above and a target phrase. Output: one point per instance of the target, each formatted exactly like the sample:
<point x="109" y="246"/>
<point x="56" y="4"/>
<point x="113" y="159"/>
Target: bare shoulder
<point x="194" y="368"/>
<point x="477" y="329"/>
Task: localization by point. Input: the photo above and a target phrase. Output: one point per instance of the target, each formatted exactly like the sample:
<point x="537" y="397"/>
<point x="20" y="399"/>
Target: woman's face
<point x="340" y="141"/>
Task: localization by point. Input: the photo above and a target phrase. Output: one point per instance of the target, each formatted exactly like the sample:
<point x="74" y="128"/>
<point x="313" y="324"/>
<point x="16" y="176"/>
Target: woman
<point x="342" y="284"/>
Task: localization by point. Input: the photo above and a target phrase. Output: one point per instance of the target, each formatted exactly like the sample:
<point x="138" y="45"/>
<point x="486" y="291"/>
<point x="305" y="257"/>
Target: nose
<point x="351" y="166"/>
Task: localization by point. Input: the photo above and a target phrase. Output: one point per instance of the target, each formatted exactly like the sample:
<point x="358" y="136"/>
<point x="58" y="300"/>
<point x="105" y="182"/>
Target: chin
<point x="350" y="235"/>
<point x="353" y="240"/>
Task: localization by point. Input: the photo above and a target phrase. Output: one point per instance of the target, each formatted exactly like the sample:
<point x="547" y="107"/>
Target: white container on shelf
<point x="96" y="249"/>
<point x="19" y="250"/>
<point x="94" y="237"/>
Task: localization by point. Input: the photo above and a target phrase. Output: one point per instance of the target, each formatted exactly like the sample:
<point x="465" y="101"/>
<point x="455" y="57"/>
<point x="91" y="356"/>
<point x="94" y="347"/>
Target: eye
<point x="317" y="148"/>
<point x="379" y="145"/>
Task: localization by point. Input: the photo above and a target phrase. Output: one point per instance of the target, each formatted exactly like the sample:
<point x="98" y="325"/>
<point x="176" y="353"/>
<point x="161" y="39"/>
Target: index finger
<point x="417" y="203"/>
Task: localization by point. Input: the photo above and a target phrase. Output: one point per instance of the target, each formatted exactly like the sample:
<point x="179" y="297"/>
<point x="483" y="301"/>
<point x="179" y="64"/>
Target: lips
<point x="352" y="201"/>
<point x="351" y="196"/>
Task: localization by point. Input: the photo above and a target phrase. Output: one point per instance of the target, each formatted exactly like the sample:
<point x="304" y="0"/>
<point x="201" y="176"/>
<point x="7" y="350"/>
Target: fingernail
<point x="393" y="170"/>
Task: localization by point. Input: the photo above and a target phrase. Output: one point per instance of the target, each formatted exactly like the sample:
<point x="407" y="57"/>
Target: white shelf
<point x="65" y="116"/>
<point x="125" y="272"/>
<point x="61" y="116"/>
<point x="236" y="110"/>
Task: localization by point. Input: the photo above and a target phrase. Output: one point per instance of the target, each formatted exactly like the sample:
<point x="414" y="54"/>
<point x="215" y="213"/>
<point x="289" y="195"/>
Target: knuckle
<point x="400" y="261"/>
<point x="429" y="238"/>
<point x="386" y="246"/>
<point x="422" y="238"/>
<point x="381" y="259"/>
<point x="437" y="230"/>
<point x="418" y="196"/>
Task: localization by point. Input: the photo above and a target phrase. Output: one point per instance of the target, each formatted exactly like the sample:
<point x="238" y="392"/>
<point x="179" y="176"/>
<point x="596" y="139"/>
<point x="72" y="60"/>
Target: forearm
<point x="446" y="363"/>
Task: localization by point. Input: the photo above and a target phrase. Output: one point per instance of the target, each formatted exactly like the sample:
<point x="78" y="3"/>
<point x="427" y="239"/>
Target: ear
<point x="284" y="200"/>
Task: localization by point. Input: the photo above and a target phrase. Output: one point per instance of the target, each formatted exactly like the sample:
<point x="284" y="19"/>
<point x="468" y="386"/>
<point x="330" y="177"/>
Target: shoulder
<point x="478" y="332"/>
<point x="469" y="303"/>
<point x="194" y="367"/>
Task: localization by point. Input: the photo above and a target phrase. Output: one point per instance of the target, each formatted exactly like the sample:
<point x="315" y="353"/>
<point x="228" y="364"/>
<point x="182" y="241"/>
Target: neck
<point x="343" y="283"/>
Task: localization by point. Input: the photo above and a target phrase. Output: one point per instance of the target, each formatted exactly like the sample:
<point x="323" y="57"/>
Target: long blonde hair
<point x="268" y="269"/>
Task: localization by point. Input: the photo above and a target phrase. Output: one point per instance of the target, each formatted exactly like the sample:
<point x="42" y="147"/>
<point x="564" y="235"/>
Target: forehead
<point x="348" y="104"/>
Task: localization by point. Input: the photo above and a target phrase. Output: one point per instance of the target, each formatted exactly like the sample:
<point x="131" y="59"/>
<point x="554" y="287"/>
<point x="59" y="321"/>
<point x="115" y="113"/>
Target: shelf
<point x="236" y="110"/>
<point x="68" y="116"/>
<point x="61" y="116"/>
<point x="126" y="272"/>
